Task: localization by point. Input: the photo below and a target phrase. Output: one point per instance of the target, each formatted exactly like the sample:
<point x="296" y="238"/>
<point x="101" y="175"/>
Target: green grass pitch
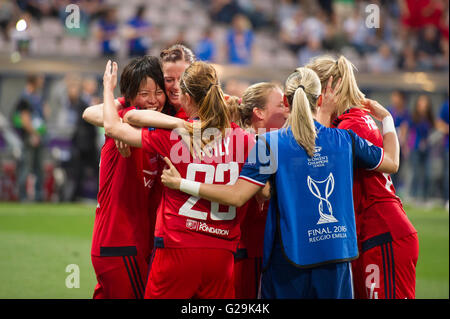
<point x="38" y="242"/>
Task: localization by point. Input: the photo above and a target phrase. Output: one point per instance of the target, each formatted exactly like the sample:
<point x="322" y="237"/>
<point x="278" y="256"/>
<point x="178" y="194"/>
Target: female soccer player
<point x="194" y="239"/>
<point x="261" y="110"/>
<point x="310" y="232"/>
<point x="387" y="241"/>
<point x="174" y="62"/>
<point x="126" y="211"/>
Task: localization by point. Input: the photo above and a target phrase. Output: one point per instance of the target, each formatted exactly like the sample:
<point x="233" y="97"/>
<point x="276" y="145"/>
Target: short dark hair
<point x="136" y="72"/>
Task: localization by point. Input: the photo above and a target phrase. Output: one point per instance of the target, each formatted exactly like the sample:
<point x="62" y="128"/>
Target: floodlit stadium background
<point x="407" y="54"/>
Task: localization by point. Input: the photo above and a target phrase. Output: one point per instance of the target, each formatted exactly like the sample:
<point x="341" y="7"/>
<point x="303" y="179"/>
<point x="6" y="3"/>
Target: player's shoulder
<point x="357" y="120"/>
<point x="125" y="110"/>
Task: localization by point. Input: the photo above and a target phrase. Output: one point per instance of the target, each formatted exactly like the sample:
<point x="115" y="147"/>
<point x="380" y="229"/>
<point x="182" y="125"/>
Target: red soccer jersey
<point x="252" y="228"/>
<point x="122" y="101"/>
<point x="181" y="114"/>
<point x="123" y="215"/>
<point x="372" y="187"/>
<point x="187" y="221"/>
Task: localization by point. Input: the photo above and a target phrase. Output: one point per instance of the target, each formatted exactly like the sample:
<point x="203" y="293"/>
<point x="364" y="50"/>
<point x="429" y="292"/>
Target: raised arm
<point x="113" y="126"/>
<point x="391" y="146"/>
<point x="231" y="195"/>
<point x="94" y="113"/>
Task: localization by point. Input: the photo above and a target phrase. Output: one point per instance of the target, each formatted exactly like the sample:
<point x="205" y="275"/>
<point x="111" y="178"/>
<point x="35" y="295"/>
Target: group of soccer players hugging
<point x="282" y="193"/>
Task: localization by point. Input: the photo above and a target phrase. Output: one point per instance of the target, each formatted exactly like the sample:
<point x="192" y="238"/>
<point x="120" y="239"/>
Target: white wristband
<point x="388" y="125"/>
<point x="190" y="187"/>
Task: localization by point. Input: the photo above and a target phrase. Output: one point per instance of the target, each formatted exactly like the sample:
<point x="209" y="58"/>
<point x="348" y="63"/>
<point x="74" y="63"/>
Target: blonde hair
<point x="302" y="90"/>
<point x="200" y="81"/>
<point x="233" y="105"/>
<point x="348" y="93"/>
<point x="254" y="96"/>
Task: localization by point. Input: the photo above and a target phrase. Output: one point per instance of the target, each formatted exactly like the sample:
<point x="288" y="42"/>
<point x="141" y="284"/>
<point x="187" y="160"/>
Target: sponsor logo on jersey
<point x="149" y="181"/>
<point x="191" y="224"/>
<point x="204" y="227"/>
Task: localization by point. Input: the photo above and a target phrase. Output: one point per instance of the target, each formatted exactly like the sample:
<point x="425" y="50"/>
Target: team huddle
<point x="283" y="193"/>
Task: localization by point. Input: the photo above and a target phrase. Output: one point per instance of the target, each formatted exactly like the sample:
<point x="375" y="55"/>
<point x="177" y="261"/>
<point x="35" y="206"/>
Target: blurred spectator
<point x="417" y="13"/>
<point x="7" y="14"/>
<point x="312" y="49"/>
<point x="421" y="127"/>
<point x="360" y="37"/>
<point x="254" y="12"/>
<point x="83" y="164"/>
<point x="428" y="48"/>
<point x="292" y="32"/>
<point x="240" y="41"/>
<point x="343" y="9"/>
<point x="138" y="33"/>
<point x="314" y="25"/>
<point x="86" y="9"/>
<point x="224" y="11"/>
<point x="206" y="48"/>
<point x="29" y="120"/>
<point x="38" y="9"/>
<point x="107" y="33"/>
<point x="89" y="93"/>
<point x="400" y="113"/>
<point x="443" y="23"/>
<point x="327" y="7"/>
<point x="286" y="8"/>
<point x="407" y="59"/>
<point x="20" y="34"/>
<point x="382" y="61"/>
<point x="66" y="113"/>
<point x="442" y="125"/>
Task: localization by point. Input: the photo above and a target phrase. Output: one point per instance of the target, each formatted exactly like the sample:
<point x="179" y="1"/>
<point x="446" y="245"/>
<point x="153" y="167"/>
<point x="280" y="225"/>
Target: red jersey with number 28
<point x="125" y="200"/>
<point x="372" y="187"/>
<point x="188" y="221"/>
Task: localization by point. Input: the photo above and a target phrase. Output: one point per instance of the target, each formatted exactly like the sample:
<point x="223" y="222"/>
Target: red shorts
<point x="120" y="277"/>
<point x="182" y="273"/>
<point x="386" y="268"/>
<point x="247" y="273"/>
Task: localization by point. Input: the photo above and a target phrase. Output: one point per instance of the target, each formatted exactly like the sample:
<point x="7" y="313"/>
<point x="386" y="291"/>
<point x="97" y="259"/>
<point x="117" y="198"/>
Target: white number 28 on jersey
<point x="212" y="174"/>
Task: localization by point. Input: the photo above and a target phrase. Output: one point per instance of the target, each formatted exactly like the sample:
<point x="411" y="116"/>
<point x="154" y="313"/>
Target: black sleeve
<point x="23" y="105"/>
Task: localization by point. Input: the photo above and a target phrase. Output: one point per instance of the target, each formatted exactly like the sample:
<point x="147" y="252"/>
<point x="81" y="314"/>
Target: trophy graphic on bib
<point x="325" y="208"/>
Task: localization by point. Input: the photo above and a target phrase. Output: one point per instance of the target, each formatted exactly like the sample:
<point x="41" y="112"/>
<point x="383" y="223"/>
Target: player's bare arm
<point x="113" y="126"/>
<point x="391" y="146"/>
<point x="149" y="118"/>
<point x="94" y="113"/>
<point x="231" y="195"/>
<point x="263" y="194"/>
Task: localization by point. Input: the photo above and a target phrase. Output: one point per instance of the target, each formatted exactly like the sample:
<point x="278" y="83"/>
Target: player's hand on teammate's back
<point x="110" y="76"/>
<point x="124" y="149"/>
<point x="170" y="176"/>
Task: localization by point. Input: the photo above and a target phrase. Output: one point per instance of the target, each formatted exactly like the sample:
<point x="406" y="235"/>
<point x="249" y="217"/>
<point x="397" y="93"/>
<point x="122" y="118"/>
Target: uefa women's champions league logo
<point x="313" y="186"/>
